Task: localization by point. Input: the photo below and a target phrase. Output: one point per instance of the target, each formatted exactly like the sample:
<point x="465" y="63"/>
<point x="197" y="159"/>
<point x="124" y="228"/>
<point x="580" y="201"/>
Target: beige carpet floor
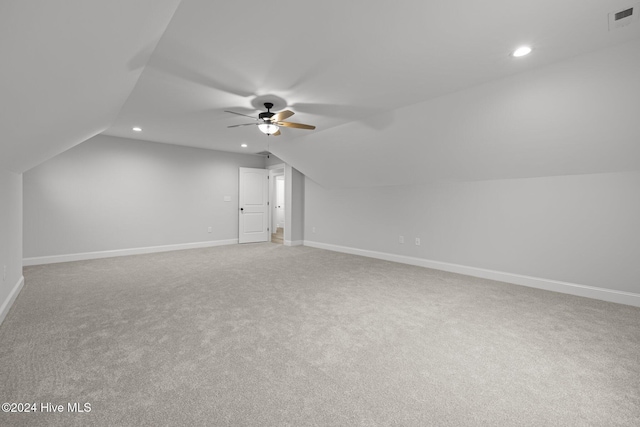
<point x="269" y="335"/>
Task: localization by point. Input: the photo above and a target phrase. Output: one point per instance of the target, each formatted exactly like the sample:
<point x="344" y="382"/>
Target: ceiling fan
<point x="270" y="123"/>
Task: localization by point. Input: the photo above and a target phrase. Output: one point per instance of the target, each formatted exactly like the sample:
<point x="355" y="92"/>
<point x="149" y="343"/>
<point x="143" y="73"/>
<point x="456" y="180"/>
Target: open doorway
<point x="292" y="205"/>
<point x="278" y="207"/>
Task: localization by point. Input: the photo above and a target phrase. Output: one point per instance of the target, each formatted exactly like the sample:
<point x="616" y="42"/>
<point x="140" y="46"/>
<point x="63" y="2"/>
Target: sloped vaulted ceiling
<point x="579" y="116"/>
<point x="401" y="92"/>
<point x="67" y="69"/>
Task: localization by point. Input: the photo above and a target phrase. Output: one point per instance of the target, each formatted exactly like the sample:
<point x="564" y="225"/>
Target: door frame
<point x="275" y="170"/>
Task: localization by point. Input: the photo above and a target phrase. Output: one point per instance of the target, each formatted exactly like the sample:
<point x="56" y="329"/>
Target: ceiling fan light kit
<point x="269" y="123"/>
<point x="268" y="128"/>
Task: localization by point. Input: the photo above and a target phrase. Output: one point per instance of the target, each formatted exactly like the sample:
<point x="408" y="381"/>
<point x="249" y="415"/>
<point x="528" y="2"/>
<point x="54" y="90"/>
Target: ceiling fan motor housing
<point x="268" y="114"/>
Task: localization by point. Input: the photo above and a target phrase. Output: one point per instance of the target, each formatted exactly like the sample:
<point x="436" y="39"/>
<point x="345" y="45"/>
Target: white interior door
<point x="253" y="213"/>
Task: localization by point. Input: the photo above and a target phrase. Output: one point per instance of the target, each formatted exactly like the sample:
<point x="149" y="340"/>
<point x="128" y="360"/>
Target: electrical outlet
<point x="401" y="239"/>
<point x="209" y="229"/>
<point x="417" y="241"/>
<point x="313" y="229"/>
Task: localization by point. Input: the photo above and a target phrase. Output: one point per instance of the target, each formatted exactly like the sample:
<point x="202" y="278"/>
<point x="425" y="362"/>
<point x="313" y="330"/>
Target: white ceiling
<point x="578" y="116"/>
<point x="67" y="69"/>
<point x="354" y="69"/>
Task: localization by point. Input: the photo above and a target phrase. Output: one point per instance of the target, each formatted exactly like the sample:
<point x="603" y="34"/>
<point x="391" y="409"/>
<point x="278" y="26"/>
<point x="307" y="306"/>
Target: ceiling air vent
<point x="624" y="17"/>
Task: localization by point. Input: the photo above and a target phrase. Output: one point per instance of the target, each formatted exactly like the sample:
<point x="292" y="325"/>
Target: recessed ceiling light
<point x="244" y="146"/>
<point x="522" y="51"/>
<point x="137" y="129"/>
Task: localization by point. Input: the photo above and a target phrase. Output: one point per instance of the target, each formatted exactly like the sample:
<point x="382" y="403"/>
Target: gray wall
<point x="294" y="196"/>
<point x="10" y="234"/>
<point x="582" y="229"/>
<point x="111" y="193"/>
<point x="535" y="174"/>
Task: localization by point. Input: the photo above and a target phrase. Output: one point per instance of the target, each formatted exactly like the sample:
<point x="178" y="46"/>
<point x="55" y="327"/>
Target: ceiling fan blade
<point x="282" y="115"/>
<point x="243" y="124"/>
<point x="295" y="125"/>
<point x="240" y="114"/>
<point x="277" y="133"/>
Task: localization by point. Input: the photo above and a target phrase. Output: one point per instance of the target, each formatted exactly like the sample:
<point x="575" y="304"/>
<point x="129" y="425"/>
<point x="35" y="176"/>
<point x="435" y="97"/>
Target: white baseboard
<point x="610" y="295"/>
<point x="124" y="252"/>
<point x="293" y="242"/>
<point x="6" y="305"/>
